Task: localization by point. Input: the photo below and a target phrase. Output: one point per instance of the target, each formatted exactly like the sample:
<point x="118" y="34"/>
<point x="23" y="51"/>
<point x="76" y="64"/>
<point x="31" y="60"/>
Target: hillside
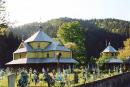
<point x="97" y="32"/>
<point x="51" y="26"/>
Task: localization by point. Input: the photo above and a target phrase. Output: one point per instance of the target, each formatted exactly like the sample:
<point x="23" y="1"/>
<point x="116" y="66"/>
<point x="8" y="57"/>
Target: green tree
<point x="102" y="59"/>
<point x="71" y="46"/>
<point x="8" y="41"/>
<point x="74" y="33"/>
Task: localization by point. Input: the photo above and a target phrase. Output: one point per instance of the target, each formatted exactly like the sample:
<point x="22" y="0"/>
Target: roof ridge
<point x="39" y="36"/>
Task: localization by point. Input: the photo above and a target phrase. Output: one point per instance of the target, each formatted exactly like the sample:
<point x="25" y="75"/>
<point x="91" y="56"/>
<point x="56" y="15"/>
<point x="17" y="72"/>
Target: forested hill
<point x="50" y="27"/>
<point x="114" y="25"/>
<point x="97" y="32"/>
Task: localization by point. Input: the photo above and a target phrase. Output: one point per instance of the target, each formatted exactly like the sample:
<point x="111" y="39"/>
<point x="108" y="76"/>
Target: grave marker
<point x="11" y="80"/>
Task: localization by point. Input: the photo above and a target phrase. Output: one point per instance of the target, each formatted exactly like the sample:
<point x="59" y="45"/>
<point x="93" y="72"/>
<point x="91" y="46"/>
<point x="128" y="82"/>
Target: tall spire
<point x="22" y="38"/>
<point x="109" y="44"/>
<point x="39" y="24"/>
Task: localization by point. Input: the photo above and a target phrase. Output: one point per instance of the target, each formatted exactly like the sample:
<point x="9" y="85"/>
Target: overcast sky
<point x="26" y="11"/>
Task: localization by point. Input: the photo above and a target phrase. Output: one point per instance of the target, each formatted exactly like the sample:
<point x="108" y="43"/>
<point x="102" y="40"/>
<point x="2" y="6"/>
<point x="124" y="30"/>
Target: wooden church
<point x="39" y="51"/>
<point x="112" y="61"/>
<point x="109" y="51"/>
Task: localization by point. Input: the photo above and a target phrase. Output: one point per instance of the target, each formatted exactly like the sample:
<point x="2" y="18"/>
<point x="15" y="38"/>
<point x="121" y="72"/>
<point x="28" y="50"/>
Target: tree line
<point x="8" y="40"/>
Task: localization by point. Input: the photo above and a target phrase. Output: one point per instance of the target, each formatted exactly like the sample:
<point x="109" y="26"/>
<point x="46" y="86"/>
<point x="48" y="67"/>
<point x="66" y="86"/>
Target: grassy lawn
<point x="4" y="81"/>
<point x="70" y="78"/>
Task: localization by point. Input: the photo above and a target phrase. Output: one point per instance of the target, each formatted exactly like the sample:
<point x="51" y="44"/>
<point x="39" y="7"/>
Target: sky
<point x="26" y="11"/>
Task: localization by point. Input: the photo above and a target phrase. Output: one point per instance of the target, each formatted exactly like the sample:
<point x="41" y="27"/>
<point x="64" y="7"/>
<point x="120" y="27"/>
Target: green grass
<point x="4" y="81"/>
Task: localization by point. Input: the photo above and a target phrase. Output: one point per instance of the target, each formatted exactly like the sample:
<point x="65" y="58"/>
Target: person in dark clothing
<point x="48" y="79"/>
<point x="23" y="81"/>
<point x="35" y="77"/>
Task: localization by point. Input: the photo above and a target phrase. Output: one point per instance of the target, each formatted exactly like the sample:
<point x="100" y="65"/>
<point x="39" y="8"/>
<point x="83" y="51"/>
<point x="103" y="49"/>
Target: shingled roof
<point x="26" y="48"/>
<point x="109" y="48"/>
<point x="41" y="60"/>
<point x="57" y="47"/>
<point x="52" y="47"/>
<point x="39" y="36"/>
<point x="113" y="60"/>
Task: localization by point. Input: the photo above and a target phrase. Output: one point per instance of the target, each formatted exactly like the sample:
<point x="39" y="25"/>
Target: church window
<point x="38" y="45"/>
<point x="47" y="55"/>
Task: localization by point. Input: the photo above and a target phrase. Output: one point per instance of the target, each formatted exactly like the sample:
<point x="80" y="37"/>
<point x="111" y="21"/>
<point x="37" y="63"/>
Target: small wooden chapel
<point x="112" y="61"/>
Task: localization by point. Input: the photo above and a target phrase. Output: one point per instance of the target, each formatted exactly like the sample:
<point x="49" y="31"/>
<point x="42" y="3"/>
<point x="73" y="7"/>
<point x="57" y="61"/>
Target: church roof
<point x="41" y="60"/>
<point x="39" y="36"/>
<point x="109" y="48"/>
<point x="26" y="48"/>
<point x="54" y="46"/>
<point x="21" y="50"/>
<point x="113" y="60"/>
<point x="62" y="48"/>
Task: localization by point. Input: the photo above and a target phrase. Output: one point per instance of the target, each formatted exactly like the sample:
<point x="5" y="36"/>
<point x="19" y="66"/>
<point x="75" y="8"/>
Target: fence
<point x="120" y="80"/>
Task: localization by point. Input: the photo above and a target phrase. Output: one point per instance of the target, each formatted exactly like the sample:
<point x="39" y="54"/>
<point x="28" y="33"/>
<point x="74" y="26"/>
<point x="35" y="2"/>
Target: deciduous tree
<point x="125" y="52"/>
<point x="74" y="33"/>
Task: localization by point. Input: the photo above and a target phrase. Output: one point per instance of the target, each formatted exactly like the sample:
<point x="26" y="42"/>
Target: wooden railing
<point x="121" y="80"/>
